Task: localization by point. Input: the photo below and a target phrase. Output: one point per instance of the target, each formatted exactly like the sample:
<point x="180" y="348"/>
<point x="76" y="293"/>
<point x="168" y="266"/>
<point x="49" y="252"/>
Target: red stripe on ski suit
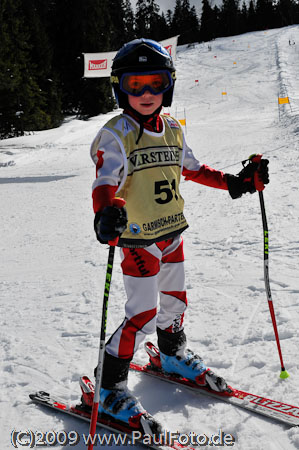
<point x="139" y="263"/>
<point x="176" y="256"/>
<point x="127" y="340"/>
<point x="162" y="245"/>
<point x="181" y="295"/>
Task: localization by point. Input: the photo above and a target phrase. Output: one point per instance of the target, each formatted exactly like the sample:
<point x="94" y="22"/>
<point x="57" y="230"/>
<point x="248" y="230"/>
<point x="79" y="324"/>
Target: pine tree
<point x="194" y="25"/>
<point x="117" y="31"/>
<point x="209" y="24"/>
<point x="36" y="15"/>
<point x="176" y="18"/>
<point x="251" y="17"/>
<point x="243" y="18"/>
<point x="217" y="13"/>
<point x="163" y="31"/>
<point x="265" y="16"/>
<point x="185" y="22"/>
<point x="285" y="13"/>
<point x="129" y="21"/>
<point x="147" y="19"/>
<point x="121" y="22"/>
<point x="229" y="18"/>
<point x="23" y="104"/>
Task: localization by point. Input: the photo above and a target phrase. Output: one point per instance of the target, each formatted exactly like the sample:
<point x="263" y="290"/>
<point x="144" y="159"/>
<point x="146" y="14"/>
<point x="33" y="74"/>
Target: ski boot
<point x="119" y="405"/>
<point x="186" y="365"/>
<point x="191" y="366"/>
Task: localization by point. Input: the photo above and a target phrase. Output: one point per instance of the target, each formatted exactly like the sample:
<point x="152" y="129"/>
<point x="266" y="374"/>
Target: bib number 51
<point x="166" y="191"/>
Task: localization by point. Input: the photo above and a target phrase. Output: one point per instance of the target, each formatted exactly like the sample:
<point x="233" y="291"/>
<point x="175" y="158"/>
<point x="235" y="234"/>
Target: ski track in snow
<point x="53" y="270"/>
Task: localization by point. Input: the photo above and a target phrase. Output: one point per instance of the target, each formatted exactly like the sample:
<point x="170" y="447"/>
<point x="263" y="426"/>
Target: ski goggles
<point x="156" y="82"/>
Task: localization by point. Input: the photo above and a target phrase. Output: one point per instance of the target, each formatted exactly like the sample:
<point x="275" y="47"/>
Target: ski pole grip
<point x="256" y="158"/>
<point x="119" y="203"/>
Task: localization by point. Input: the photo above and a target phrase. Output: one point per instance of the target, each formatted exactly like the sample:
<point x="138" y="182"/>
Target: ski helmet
<point x="141" y="55"/>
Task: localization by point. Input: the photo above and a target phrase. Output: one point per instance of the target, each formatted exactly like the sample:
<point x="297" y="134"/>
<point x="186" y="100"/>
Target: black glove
<point x="252" y="177"/>
<point x="110" y="223"/>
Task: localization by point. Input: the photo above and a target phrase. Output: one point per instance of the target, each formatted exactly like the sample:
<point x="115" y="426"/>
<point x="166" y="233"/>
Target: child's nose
<point x="147" y="92"/>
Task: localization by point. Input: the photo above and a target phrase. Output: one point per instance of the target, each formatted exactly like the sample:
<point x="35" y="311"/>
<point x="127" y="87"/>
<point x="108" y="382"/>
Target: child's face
<point x="146" y="104"/>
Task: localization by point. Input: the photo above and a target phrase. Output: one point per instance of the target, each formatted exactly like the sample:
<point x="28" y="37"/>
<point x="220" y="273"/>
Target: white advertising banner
<point x="170" y="45"/>
<point x="97" y="65"/>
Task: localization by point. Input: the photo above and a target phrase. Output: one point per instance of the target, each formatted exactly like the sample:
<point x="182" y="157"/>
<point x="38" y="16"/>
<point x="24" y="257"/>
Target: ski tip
<point x="284" y="374"/>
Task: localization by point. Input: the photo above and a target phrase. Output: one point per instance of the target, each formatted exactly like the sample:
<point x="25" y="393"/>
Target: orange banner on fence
<point x="282" y="100"/>
<point x="182" y="121"/>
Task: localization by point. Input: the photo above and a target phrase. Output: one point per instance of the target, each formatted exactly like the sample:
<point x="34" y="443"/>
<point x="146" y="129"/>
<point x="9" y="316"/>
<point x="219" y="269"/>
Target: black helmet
<point x="141" y="55"/>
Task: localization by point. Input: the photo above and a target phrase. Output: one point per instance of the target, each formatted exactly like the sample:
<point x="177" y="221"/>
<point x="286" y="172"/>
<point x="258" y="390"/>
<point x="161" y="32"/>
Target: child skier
<point x="140" y="156"/>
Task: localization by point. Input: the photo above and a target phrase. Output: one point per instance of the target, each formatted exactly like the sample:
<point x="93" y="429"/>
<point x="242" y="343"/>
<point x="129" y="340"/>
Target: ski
<point x="167" y="440"/>
<point x="276" y="410"/>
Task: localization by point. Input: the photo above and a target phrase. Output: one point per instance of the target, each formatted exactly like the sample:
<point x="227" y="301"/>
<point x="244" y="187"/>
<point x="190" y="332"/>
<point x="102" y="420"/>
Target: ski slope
<point x="53" y="269"/>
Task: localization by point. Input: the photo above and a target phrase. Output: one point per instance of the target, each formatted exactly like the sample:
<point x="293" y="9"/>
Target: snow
<point x="53" y="269"/>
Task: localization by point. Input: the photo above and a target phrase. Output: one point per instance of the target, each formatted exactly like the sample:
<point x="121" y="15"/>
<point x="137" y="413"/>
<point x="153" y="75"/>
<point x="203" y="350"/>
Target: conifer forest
<point x="42" y="44"/>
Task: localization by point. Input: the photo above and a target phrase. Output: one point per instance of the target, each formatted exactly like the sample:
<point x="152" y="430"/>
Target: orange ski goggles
<point x="136" y="84"/>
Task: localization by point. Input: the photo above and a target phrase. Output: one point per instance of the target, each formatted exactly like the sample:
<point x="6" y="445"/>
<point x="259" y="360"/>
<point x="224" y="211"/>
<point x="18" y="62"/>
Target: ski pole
<point x="118" y="202"/>
<point x="257" y="158"/>
<point x="283" y="373"/>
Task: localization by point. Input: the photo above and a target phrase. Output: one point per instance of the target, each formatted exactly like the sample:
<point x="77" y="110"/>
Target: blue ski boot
<point x="176" y="359"/>
<point x="191" y="366"/>
<point x="119" y="404"/>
